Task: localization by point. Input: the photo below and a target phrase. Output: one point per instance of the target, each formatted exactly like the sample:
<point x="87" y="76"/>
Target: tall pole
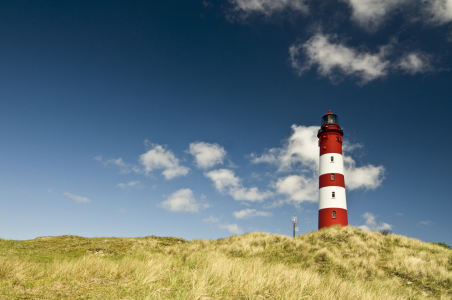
<point x="295" y="225"/>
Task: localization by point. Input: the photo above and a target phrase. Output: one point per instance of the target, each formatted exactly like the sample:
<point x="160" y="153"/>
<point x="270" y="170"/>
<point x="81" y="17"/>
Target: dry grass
<point x="340" y="263"/>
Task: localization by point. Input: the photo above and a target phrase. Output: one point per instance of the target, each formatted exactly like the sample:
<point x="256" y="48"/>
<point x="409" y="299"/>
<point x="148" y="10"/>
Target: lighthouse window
<point x="330" y="119"/>
<point x="332" y="176"/>
<point x="334" y="215"/>
<point x="333" y="194"/>
<point x="332" y="158"/>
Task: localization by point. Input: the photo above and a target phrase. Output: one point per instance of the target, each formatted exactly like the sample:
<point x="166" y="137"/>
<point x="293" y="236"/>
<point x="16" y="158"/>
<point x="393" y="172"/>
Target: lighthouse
<point x="332" y="203"/>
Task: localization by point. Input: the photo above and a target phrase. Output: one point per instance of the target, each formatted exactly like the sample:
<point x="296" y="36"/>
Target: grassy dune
<point x="333" y="263"/>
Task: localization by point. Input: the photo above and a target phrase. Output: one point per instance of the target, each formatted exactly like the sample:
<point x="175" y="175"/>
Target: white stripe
<point x="328" y="166"/>
<point x="327" y="201"/>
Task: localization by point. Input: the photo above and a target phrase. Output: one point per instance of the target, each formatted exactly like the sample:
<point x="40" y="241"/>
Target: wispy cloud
<point x="277" y="203"/>
<point x="251" y="213"/>
<point x="211" y="219"/>
<point x="349" y="147"/>
<point x="439" y="11"/>
<point x="232" y="228"/>
<point x="426" y="223"/>
<point x="124" y="167"/>
<point x="371" y="14"/>
<point x="300" y="149"/>
<point x="372" y="225"/>
<point x="78" y="199"/>
<point x="267" y="8"/>
<point x="161" y="158"/>
<point x="367" y="177"/>
<point x="183" y="201"/>
<point x="225" y="181"/>
<point x="415" y="62"/>
<point x="335" y="60"/>
<point x="131" y="184"/>
<point x="298" y="188"/>
<point x="206" y="155"/>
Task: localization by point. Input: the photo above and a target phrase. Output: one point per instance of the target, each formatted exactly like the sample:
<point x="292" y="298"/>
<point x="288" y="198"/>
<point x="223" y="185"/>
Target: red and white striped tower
<point x="332" y="203"/>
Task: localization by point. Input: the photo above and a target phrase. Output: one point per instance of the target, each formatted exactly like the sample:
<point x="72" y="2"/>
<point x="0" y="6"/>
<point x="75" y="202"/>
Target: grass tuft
<point x="442" y="245"/>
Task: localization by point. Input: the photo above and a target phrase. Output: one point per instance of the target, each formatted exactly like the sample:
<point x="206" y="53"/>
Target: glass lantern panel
<point x="330" y="119"/>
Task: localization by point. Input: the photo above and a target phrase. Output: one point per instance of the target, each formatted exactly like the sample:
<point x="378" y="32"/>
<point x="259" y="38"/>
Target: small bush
<point x="385" y="232"/>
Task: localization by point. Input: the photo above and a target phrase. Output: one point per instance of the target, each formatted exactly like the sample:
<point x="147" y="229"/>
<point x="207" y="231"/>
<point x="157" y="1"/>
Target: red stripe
<point x="325" y="180"/>
<point x="330" y="142"/>
<point x="326" y="217"/>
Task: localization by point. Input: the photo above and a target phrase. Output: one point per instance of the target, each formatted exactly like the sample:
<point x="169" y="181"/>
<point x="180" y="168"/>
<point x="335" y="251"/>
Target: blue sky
<point x="197" y="119"/>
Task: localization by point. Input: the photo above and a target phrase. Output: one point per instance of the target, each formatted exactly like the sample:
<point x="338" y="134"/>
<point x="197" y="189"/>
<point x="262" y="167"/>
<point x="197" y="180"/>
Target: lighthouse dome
<point x="330" y="118"/>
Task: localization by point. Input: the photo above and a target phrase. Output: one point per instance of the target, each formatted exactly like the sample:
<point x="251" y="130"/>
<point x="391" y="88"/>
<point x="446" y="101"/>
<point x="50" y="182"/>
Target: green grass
<point x="337" y="262"/>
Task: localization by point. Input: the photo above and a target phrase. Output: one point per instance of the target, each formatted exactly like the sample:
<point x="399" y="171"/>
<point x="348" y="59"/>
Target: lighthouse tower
<point x="332" y="203"/>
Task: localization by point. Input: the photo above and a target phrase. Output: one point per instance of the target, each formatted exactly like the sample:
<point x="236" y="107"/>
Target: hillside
<point x="334" y="263"/>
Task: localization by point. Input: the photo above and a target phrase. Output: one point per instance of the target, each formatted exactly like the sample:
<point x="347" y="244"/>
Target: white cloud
<point x="367" y="177"/>
<point x="211" y="219"/>
<point x="348" y="147"/>
<point x="440" y="11"/>
<point x="274" y="204"/>
<point x="130" y="184"/>
<point x="124" y="167"/>
<point x="207" y="155"/>
<point x="183" y="200"/>
<point x="251" y="213"/>
<point x="415" y="62"/>
<point x="300" y="147"/>
<point x="160" y="158"/>
<point x="298" y="188"/>
<point x="268" y="7"/>
<point x="232" y="228"/>
<point x="371" y="224"/>
<point x="426" y="223"/>
<point x="249" y="194"/>
<point x="79" y="199"/>
<point x="332" y="58"/>
<point x="370" y="14"/>
<point x="225" y="181"/>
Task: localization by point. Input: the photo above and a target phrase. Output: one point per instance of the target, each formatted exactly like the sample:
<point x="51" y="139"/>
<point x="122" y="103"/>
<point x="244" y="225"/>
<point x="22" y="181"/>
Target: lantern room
<point x="330" y="118"/>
